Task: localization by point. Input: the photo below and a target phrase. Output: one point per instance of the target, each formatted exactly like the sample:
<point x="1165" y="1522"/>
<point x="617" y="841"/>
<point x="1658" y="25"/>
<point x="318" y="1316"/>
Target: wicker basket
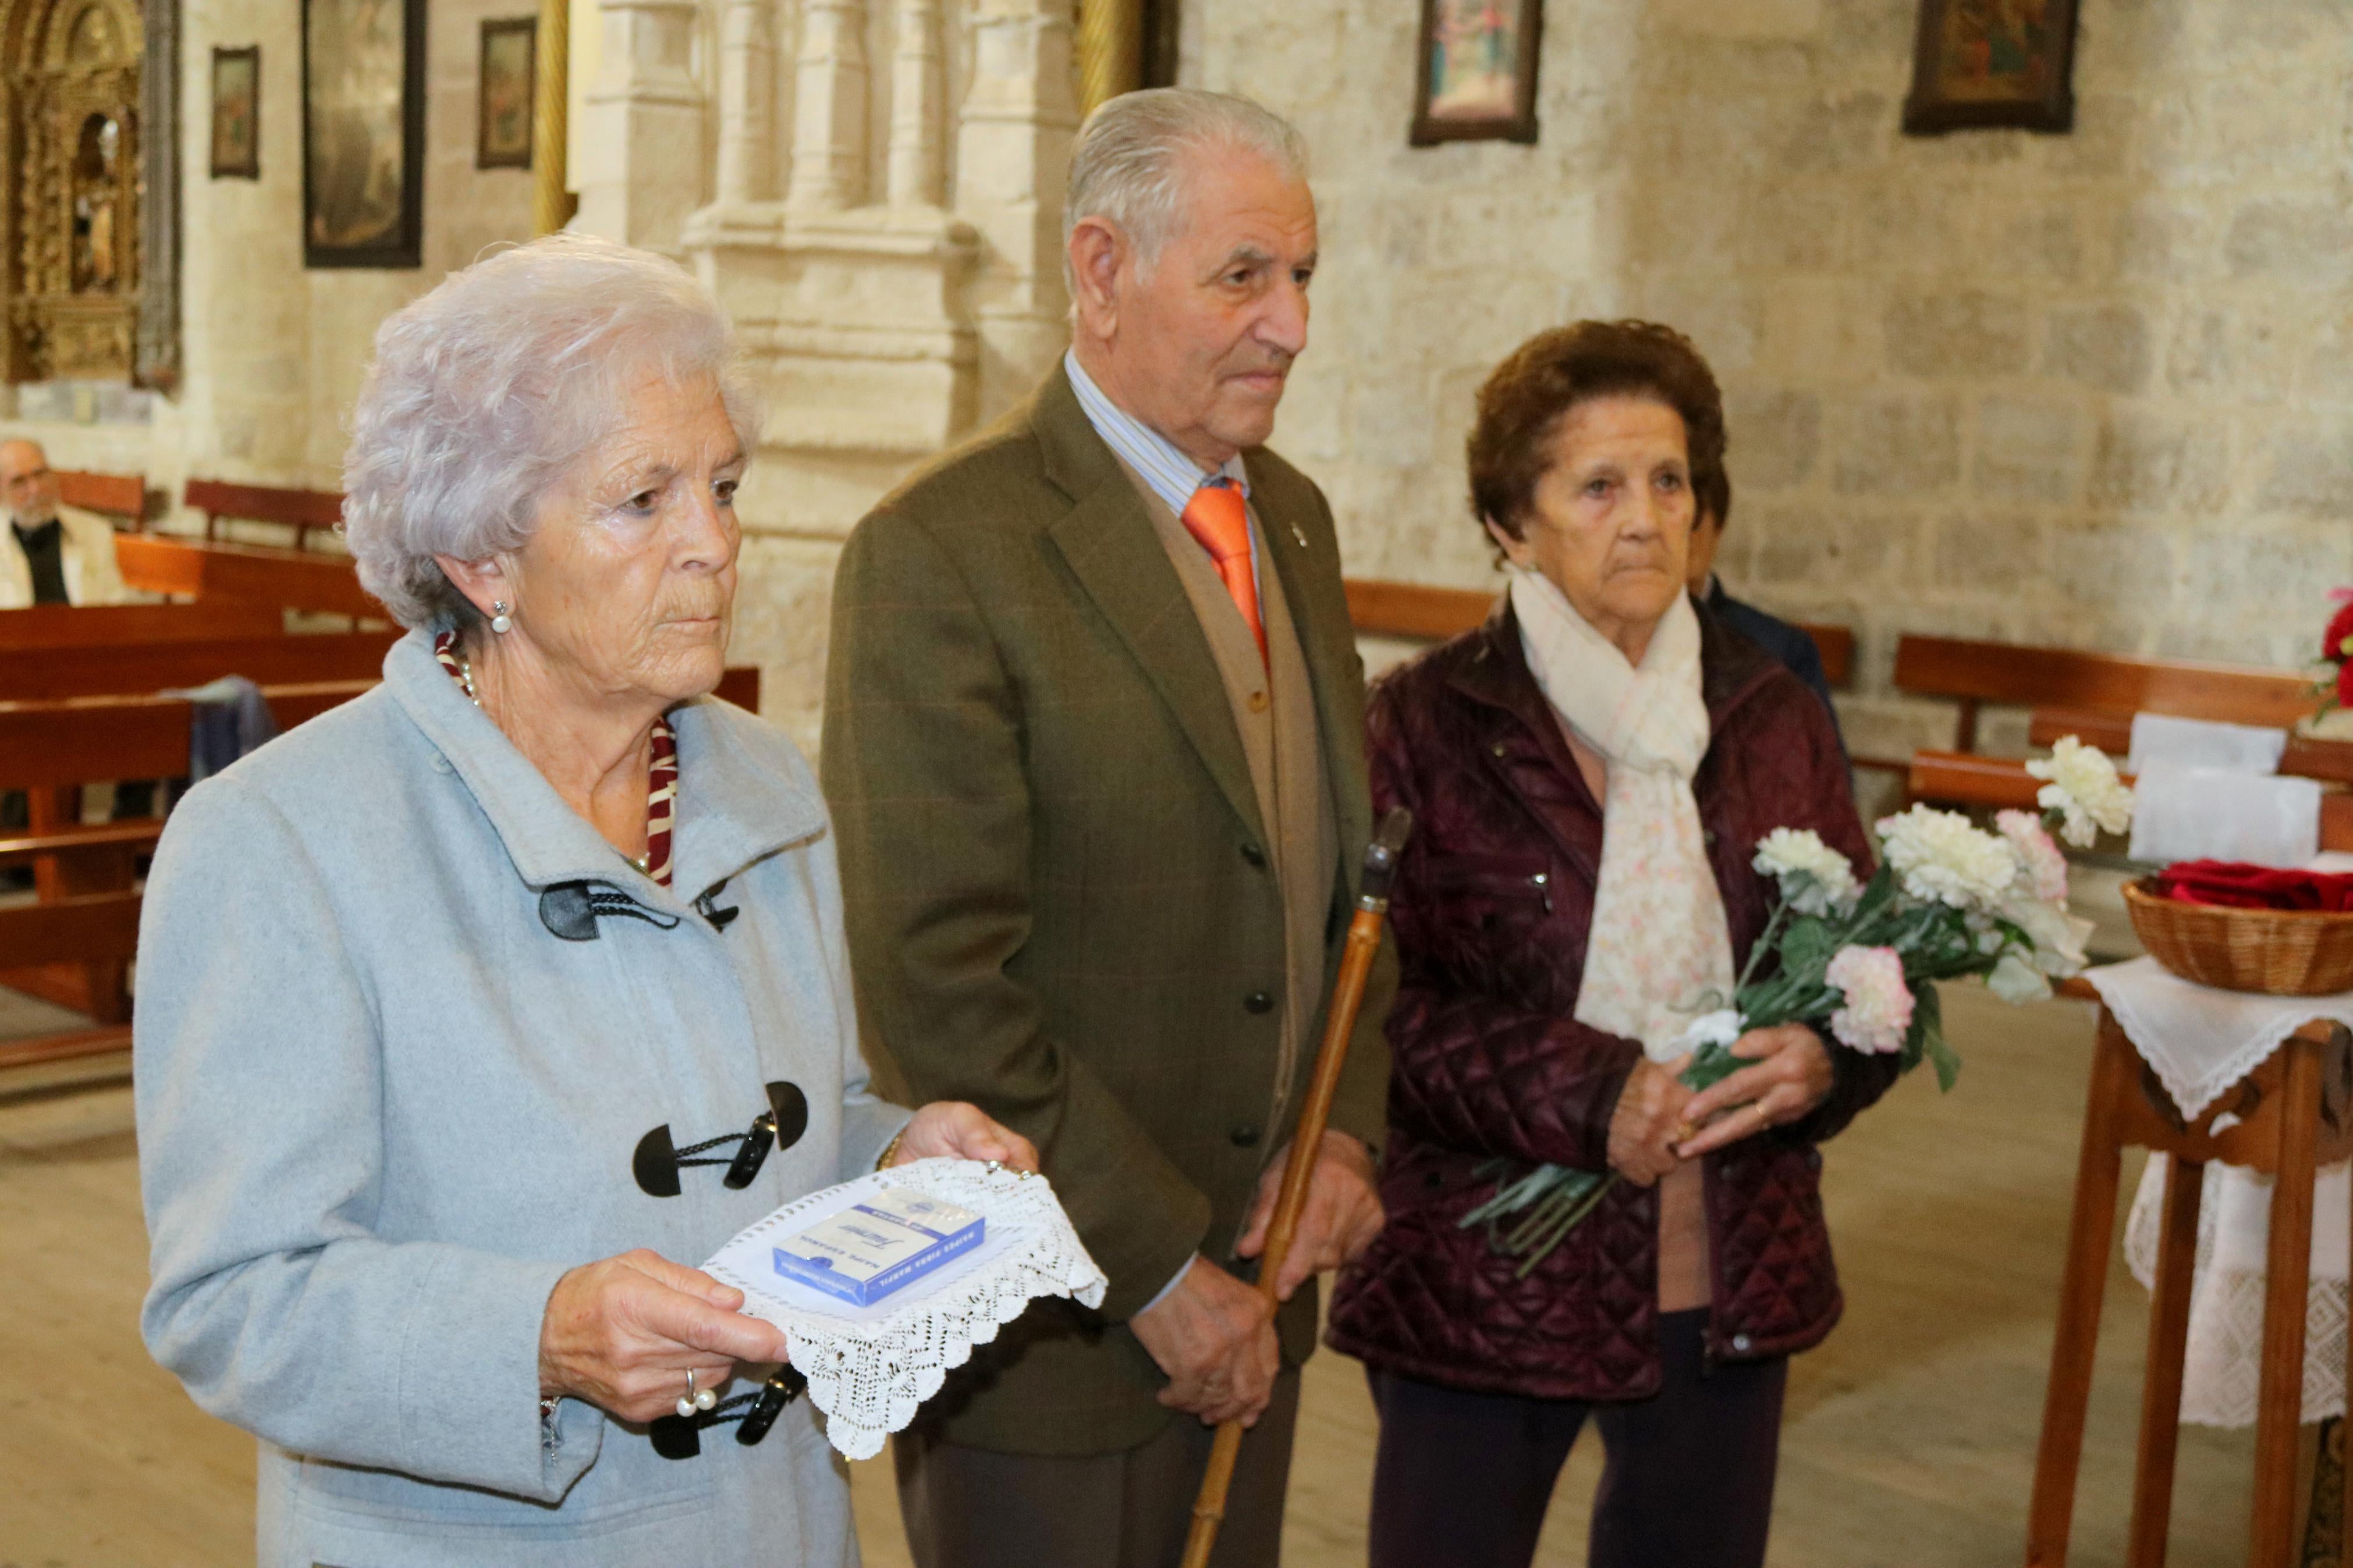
<point x="2282" y="953"/>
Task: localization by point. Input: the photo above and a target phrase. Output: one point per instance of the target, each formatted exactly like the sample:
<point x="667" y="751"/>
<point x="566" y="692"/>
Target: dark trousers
<point x="969" y="1508"/>
<point x="1464" y="1478"/>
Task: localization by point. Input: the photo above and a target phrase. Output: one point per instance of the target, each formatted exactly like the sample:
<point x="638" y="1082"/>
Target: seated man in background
<point x="1711" y="491"/>
<point x="50" y="553"/>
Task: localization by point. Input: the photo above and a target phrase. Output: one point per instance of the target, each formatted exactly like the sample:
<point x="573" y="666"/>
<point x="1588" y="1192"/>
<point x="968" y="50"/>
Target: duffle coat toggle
<point x="658" y="1161"/>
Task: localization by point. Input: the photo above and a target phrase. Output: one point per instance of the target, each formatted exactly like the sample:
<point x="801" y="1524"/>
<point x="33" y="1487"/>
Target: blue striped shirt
<point x="1173" y="476"/>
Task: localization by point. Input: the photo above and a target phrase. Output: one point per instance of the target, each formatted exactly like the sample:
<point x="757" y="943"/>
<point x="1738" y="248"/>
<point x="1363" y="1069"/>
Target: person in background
<point x="1712" y="493"/>
<point x="1094" y="737"/>
<point x="53" y="553"/>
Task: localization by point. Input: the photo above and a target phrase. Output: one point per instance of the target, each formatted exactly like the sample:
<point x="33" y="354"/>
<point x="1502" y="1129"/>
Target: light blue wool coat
<point x="383" y="1108"/>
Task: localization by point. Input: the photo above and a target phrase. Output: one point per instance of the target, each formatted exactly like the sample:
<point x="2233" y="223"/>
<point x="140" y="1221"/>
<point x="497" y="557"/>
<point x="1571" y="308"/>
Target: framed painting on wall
<point x="362" y="132"/>
<point x="509" y="58"/>
<point x="237" y="113"/>
<point x="1982" y="63"/>
<point x="1476" y="76"/>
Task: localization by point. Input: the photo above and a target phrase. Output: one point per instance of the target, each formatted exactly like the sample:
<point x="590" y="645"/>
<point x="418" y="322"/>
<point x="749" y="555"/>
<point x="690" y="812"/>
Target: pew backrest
<point x="293" y="579"/>
<point x="1972" y="674"/>
<point x="2303" y="757"/>
<point x="1963" y="778"/>
<point x="132" y="669"/>
<point x="116" y="495"/>
<point x="44" y="626"/>
<point x="77" y="740"/>
<point x="1378" y="608"/>
<point x="301" y="510"/>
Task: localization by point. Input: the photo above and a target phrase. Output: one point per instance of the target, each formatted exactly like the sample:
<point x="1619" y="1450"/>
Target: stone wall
<point x="2093" y="389"/>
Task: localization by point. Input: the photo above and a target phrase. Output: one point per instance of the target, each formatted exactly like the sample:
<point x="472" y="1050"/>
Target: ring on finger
<point x="695" y="1399"/>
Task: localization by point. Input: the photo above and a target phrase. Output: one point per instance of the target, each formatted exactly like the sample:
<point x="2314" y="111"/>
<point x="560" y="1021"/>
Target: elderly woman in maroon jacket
<point x="1589" y="772"/>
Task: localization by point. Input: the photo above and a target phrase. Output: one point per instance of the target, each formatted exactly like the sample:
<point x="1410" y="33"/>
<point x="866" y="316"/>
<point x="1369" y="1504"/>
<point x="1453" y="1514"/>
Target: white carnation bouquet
<point x="1860" y="960"/>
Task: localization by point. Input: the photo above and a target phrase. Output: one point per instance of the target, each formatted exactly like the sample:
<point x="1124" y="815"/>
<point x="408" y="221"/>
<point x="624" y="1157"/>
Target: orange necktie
<point x="1220" y="519"/>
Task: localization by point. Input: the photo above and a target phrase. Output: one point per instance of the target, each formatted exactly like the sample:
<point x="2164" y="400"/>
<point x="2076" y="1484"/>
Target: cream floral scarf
<point x="1659" y="942"/>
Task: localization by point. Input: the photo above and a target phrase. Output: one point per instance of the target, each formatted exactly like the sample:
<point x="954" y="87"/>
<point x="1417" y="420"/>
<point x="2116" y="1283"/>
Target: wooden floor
<point x="1910" y="1435"/>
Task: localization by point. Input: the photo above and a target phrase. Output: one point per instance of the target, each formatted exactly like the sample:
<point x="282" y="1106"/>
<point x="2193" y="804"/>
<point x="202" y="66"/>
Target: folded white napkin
<point x="2210" y="814"/>
<point x="2160" y="738"/>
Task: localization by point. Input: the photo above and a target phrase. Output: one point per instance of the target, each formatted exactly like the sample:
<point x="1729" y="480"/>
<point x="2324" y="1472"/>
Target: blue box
<point x="867" y="1251"/>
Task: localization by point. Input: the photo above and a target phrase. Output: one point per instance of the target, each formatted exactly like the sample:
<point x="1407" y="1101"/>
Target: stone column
<point x="747" y="116"/>
<point x="1013" y="158"/>
<point x="643" y="164"/>
<point x="915" y="130"/>
<point x="830" y="112"/>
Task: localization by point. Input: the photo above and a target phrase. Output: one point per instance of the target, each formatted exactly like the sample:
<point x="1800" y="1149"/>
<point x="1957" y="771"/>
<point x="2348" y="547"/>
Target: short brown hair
<point x="1712" y="495"/>
<point x="1526" y="397"/>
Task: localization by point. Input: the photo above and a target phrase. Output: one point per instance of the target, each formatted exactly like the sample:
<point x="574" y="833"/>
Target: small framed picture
<point x="1981" y="63"/>
<point x="362" y="132"/>
<point x="237" y="113"/>
<point x="1477" y="80"/>
<point x="510" y="63"/>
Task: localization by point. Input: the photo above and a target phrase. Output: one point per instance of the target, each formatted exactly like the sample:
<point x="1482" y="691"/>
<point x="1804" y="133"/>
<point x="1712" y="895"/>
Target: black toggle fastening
<point x="706" y="904"/>
<point x="784" y="1386"/>
<point x="657" y="1160"/>
<point x="680" y="1437"/>
<point x="754" y="1152"/>
<point x="571" y="909"/>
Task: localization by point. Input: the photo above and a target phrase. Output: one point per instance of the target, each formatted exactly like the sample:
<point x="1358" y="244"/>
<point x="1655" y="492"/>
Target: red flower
<point x="2345" y="685"/>
<point x="2340" y="626"/>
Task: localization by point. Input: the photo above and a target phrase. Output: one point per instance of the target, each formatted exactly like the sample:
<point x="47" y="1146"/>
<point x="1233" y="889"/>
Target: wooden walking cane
<point x="1340" y="1021"/>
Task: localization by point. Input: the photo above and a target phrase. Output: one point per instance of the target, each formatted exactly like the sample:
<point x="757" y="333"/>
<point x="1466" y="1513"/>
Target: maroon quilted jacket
<point x="1490" y="918"/>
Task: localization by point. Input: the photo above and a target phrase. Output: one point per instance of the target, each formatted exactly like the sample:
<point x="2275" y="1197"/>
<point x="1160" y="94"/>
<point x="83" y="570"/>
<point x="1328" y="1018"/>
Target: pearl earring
<point x="500" y="622"/>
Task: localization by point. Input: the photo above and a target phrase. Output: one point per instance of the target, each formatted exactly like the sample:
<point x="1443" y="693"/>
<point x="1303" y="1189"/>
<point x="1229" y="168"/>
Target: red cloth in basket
<point x="2237" y="885"/>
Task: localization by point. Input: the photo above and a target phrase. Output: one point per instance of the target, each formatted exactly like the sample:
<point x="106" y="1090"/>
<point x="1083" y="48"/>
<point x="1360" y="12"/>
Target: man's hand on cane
<point x="1342" y="1216"/>
<point x="1214" y="1336"/>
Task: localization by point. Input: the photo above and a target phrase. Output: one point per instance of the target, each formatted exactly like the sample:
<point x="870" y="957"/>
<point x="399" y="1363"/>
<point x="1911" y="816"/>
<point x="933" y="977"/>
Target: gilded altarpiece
<point x="72" y="83"/>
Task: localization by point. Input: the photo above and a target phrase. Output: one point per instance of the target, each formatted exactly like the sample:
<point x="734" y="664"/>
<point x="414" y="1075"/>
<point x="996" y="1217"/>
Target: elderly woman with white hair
<point x="470" y="1010"/>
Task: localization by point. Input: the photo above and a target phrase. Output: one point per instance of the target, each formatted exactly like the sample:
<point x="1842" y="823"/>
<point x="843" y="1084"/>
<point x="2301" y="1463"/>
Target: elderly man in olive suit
<point x="1094" y="742"/>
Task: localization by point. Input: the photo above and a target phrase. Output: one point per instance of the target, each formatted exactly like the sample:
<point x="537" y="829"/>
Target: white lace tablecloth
<point x="869" y="1368"/>
<point x="2199" y="1041"/>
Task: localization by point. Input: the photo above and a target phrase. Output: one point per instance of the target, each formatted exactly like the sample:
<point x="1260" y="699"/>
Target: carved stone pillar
<point x="642" y="152"/>
<point x="829" y="111"/>
<point x="1013" y="158"/>
<point x="748" y="114"/>
<point x="916" y="131"/>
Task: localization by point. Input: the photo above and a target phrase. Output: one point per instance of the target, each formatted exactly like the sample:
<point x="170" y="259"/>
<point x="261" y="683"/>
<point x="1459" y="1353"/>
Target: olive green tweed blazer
<point x="1061" y="903"/>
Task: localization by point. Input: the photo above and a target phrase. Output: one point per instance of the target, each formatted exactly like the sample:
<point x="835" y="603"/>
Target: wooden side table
<point x="2292" y="1117"/>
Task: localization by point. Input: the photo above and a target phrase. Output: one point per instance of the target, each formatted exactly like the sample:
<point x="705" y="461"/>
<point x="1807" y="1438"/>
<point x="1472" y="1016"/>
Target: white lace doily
<point x="2221" y="1370"/>
<point x="2200" y="1040"/>
<point x="869" y="1368"/>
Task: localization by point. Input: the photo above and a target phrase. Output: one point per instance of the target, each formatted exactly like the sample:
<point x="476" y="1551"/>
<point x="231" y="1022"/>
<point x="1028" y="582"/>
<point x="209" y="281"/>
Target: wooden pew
<point x="293" y="579"/>
<point x="1378" y="608"/>
<point x="1962" y="778"/>
<point x="43" y="627"/>
<point x="2304" y="757"/>
<point x="75" y="945"/>
<point x="115" y="495"/>
<point x="140" y="669"/>
<point x="301" y="510"/>
<point x="1972" y="674"/>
